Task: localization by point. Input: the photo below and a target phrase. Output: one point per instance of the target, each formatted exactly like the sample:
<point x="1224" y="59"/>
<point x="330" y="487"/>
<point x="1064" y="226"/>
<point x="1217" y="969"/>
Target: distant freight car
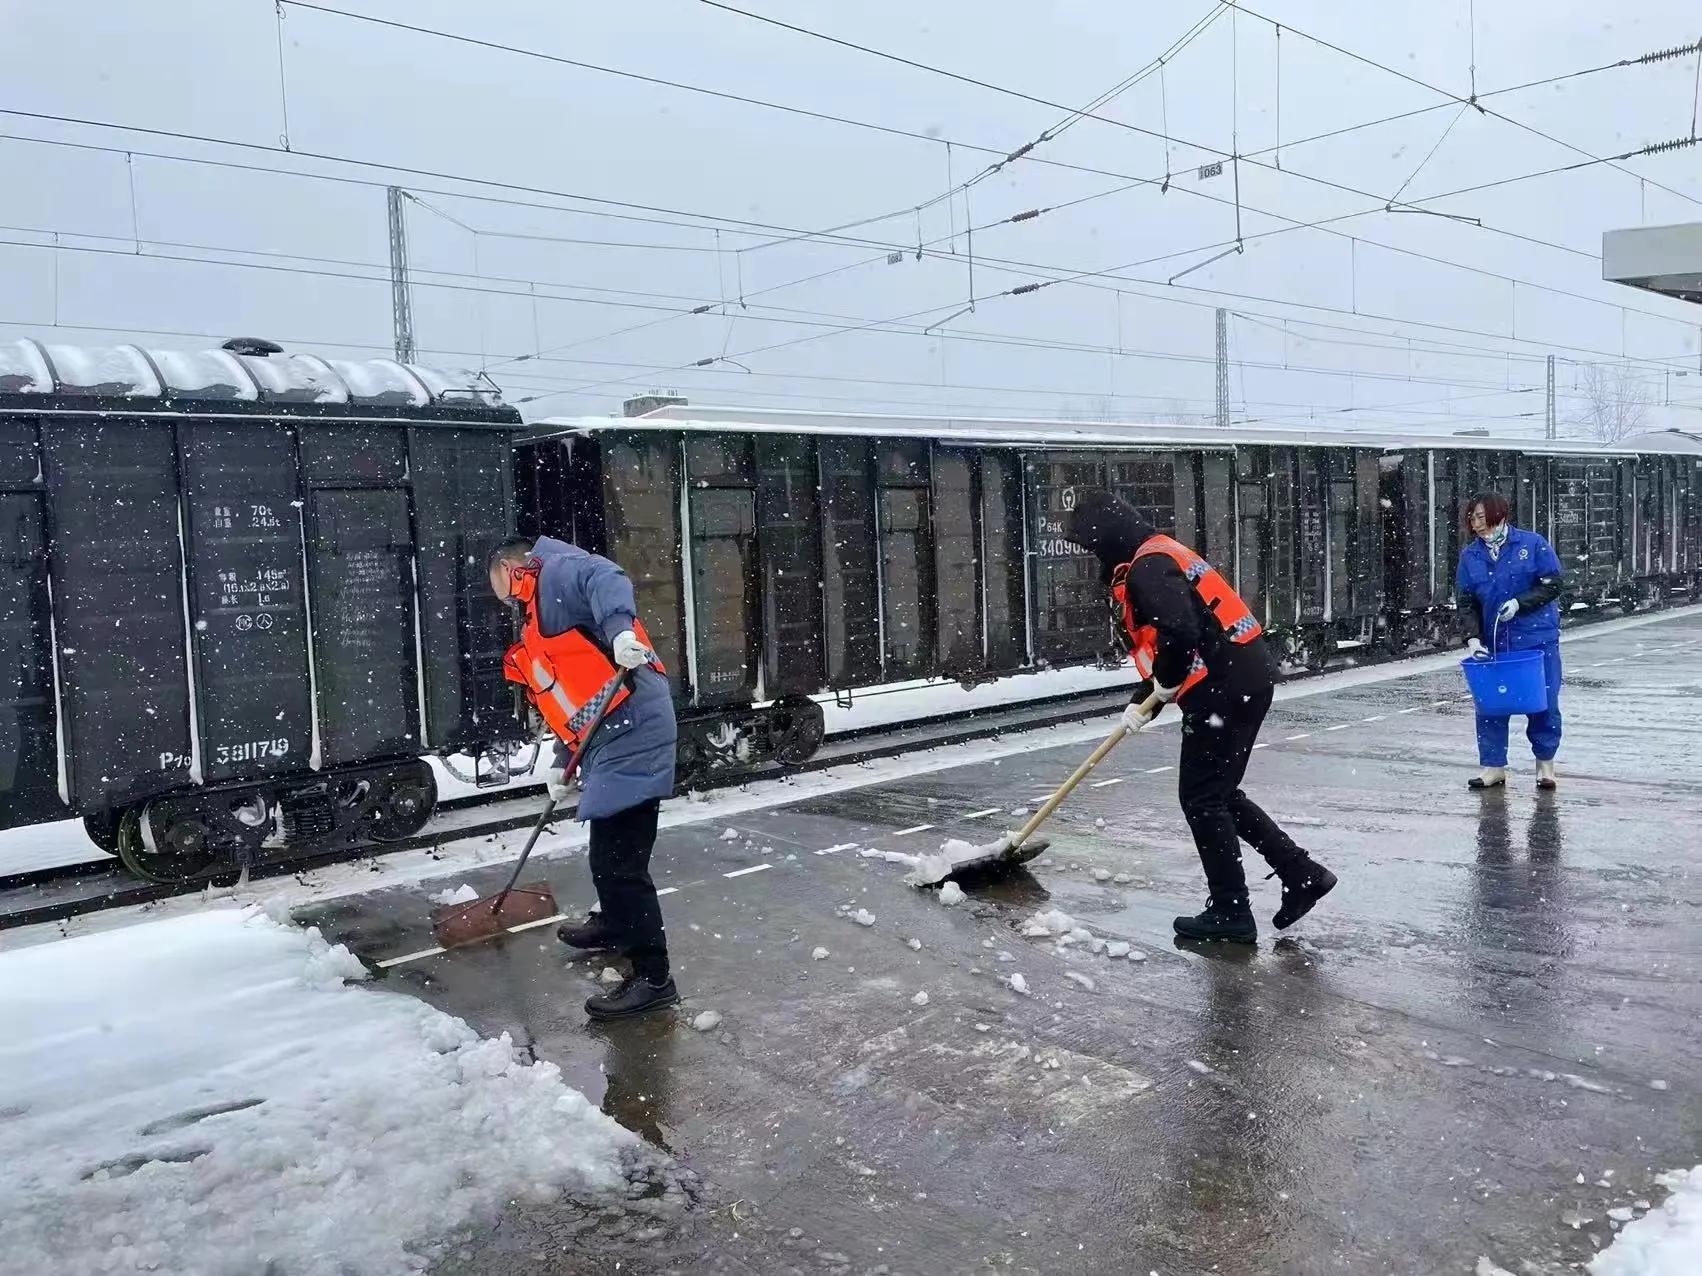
<point x="778" y="556"/>
<point x="244" y="593"/>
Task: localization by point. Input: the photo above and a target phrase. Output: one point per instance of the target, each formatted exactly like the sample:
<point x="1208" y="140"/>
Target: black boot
<point x="1303" y="885"/>
<point x="592" y="934"/>
<point x="635" y="995"/>
<point x="1230" y="923"/>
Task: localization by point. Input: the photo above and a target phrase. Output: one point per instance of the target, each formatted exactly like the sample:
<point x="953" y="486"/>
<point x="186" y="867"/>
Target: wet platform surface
<point x="1501" y="996"/>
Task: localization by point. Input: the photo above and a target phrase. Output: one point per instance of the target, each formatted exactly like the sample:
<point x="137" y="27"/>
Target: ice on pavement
<point x="1019" y="984"/>
<point x="462" y="894"/>
<point x="708" y="1021"/>
<point x="1086" y="981"/>
<point x="920" y="999"/>
<point x="205" y="1094"/>
<point x="1051" y="922"/>
<point x="863" y="917"/>
<point x="729" y="835"/>
<point x="819" y="954"/>
<point x="1664" y="1242"/>
<point x="951" y="895"/>
<point x="610" y="975"/>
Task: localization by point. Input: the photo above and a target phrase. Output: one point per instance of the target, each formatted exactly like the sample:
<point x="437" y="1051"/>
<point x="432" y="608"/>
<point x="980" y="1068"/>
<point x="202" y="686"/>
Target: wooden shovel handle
<point x="1148" y="706"/>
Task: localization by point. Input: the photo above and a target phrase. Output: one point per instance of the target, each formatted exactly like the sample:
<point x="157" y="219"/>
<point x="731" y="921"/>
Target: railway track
<point x="72" y="890"/>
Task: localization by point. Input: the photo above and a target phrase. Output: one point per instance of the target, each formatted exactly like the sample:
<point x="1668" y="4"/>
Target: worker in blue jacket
<point x="1508" y="581"/>
<point x="582" y="623"/>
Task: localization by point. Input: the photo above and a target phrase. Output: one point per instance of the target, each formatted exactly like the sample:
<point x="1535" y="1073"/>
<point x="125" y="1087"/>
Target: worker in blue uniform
<point x="1508" y="581"/>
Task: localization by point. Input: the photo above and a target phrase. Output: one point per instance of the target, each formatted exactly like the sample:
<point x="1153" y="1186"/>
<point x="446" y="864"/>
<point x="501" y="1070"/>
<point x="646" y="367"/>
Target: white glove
<point x="559" y="787"/>
<point x="630" y="653"/>
<point x="1474" y="647"/>
<point x="1509" y="609"/>
<point x="1165" y="694"/>
<point x="1135" y="718"/>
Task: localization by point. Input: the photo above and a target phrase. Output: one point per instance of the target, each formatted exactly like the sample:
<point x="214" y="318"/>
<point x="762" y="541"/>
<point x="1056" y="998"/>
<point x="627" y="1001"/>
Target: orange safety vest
<point x="1239" y="624"/>
<point x="565" y="675"/>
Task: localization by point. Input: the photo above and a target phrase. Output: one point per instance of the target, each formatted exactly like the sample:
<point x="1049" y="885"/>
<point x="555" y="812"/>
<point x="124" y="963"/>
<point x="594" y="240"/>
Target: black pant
<point x="1219" y="728"/>
<point x="620" y="867"/>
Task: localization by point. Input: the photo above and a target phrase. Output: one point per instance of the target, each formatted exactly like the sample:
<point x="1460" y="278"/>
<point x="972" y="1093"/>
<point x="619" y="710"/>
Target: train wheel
<point x="800" y="731"/>
<point x="181" y="849"/>
<point x="406" y="802"/>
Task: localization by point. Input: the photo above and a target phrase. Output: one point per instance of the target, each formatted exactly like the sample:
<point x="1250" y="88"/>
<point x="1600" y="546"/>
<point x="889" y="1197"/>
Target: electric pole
<point x="1549" y="431"/>
<point x="401" y="298"/>
<point x="1222" y="367"/>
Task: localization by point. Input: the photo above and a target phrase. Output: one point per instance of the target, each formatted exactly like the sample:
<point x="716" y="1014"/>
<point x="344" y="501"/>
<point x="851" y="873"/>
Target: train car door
<point x="850" y="576"/>
<point x="1253" y="528"/>
<point x="788" y="533"/>
<point x="1004" y="566"/>
<point x="721" y="505"/>
<point x="29" y="760"/>
<point x="1070" y="621"/>
<point x="958" y="580"/>
<point x="117" y="567"/>
<point x="906" y="533"/>
<point x="361" y="592"/>
<point x="641" y="498"/>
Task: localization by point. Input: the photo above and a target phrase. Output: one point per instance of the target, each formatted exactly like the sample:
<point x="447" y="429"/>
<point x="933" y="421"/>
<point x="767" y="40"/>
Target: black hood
<point x="1107" y="528"/>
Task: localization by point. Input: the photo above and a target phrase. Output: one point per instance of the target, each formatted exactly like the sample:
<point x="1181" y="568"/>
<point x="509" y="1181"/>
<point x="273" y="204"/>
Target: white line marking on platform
<point x="914" y="828"/>
<point x="669" y="890"/>
<point x="745" y="872"/>
<point x="1376" y="717"/>
<point x="1340" y="726"/>
<point x="834" y="850"/>
<point x="1104" y="784"/>
<point x="1415" y="709"/>
<point x="542" y="921"/>
<point x="1262" y="745"/>
<point x="1157" y="770"/>
<point x="407" y="957"/>
<point x="1304" y="735"/>
<point x="976" y="815"/>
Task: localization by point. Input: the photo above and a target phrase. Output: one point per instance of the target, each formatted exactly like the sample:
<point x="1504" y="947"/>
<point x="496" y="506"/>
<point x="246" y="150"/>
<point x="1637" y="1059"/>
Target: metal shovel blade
<point x="455" y="925"/>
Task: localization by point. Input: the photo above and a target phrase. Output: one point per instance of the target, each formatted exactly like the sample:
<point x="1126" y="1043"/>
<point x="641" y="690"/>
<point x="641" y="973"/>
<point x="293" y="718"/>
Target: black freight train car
<point x="245" y="593"/>
<point x="778" y="556"/>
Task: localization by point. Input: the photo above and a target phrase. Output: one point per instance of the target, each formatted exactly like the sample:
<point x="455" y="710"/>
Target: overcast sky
<point x="503" y="269"/>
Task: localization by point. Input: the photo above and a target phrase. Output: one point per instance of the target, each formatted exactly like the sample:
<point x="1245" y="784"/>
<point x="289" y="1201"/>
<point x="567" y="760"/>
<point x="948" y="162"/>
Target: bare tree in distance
<point x="1616" y="402"/>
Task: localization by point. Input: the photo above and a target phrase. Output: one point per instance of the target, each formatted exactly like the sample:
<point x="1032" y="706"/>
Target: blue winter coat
<point x="1527" y="569"/>
<point x="631" y="757"/>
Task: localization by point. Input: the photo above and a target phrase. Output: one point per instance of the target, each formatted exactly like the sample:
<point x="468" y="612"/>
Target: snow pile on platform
<point x="205" y="1094"/>
<point x="1664" y="1242"/>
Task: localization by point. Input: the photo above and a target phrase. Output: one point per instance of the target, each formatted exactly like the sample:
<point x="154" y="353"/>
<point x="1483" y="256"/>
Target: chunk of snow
<point x="1102" y="875"/>
<point x="1099" y="823"/>
<point x="1665" y="1241"/>
<point x="1622" y="1213"/>
<point x="1204" y="1069"/>
<point x="610" y="975"/>
<point x="1136" y="954"/>
<point x="1019" y="812"/>
<point x="1019" y="984"/>
<point x="983" y="1027"/>
<point x="863" y="917"/>
<point x="819" y="954"/>
<point x="462" y="894"/>
<point x="1484" y="1266"/>
<point x="1075" y="976"/>
<point x="1050" y="922"/>
<point x="914" y="945"/>
<point x="729" y="835"/>
<point x="708" y="1021"/>
<point x="240" y="1108"/>
<point x="920" y="999"/>
<point x="1118" y="948"/>
<point x="951" y="895"/>
<point x="1657" y="1084"/>
<point x="1122" y="879"/>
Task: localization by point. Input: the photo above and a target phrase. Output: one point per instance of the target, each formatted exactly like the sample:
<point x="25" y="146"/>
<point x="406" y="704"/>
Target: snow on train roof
<point x="231" y="376"/>
<point x="1019" y="431"/>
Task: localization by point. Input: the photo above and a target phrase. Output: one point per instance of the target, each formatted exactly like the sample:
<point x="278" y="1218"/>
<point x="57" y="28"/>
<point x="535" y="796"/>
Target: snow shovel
<point x="957" y="859"/>
<point x="456" y="925"/>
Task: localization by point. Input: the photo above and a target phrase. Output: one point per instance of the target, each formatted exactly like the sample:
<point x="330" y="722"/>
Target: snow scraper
<point x="456" y="925"/>
<point x="960" y="859"/>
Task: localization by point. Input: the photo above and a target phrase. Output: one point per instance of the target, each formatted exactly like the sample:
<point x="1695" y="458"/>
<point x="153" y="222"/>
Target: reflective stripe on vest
<point x="1226" y="606"/>
<point x="565" y="675"/>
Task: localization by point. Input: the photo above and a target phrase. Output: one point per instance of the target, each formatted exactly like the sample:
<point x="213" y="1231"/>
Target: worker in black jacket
<point x="1200" y="646"/>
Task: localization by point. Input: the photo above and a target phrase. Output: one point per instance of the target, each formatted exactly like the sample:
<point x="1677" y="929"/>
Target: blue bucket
<point x="1512" y="682"/>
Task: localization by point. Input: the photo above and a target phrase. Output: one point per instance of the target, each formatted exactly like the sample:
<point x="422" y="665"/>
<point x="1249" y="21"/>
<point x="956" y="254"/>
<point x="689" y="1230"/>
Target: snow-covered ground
<point x="1666" y="1241"/>
<point x="207" y="1094"/>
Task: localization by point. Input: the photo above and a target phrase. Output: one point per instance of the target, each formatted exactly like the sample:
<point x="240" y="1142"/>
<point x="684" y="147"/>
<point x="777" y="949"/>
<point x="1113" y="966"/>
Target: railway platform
<point x="1481" y="1044"/>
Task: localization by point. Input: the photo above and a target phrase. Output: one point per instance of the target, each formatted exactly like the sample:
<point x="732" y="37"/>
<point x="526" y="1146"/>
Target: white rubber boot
<point x="1545" y="775"/>
<point x="1492" y="777"/>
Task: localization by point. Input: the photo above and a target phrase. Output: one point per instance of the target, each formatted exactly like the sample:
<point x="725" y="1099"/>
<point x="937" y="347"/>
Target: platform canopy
<point x="1660" y="259"/>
